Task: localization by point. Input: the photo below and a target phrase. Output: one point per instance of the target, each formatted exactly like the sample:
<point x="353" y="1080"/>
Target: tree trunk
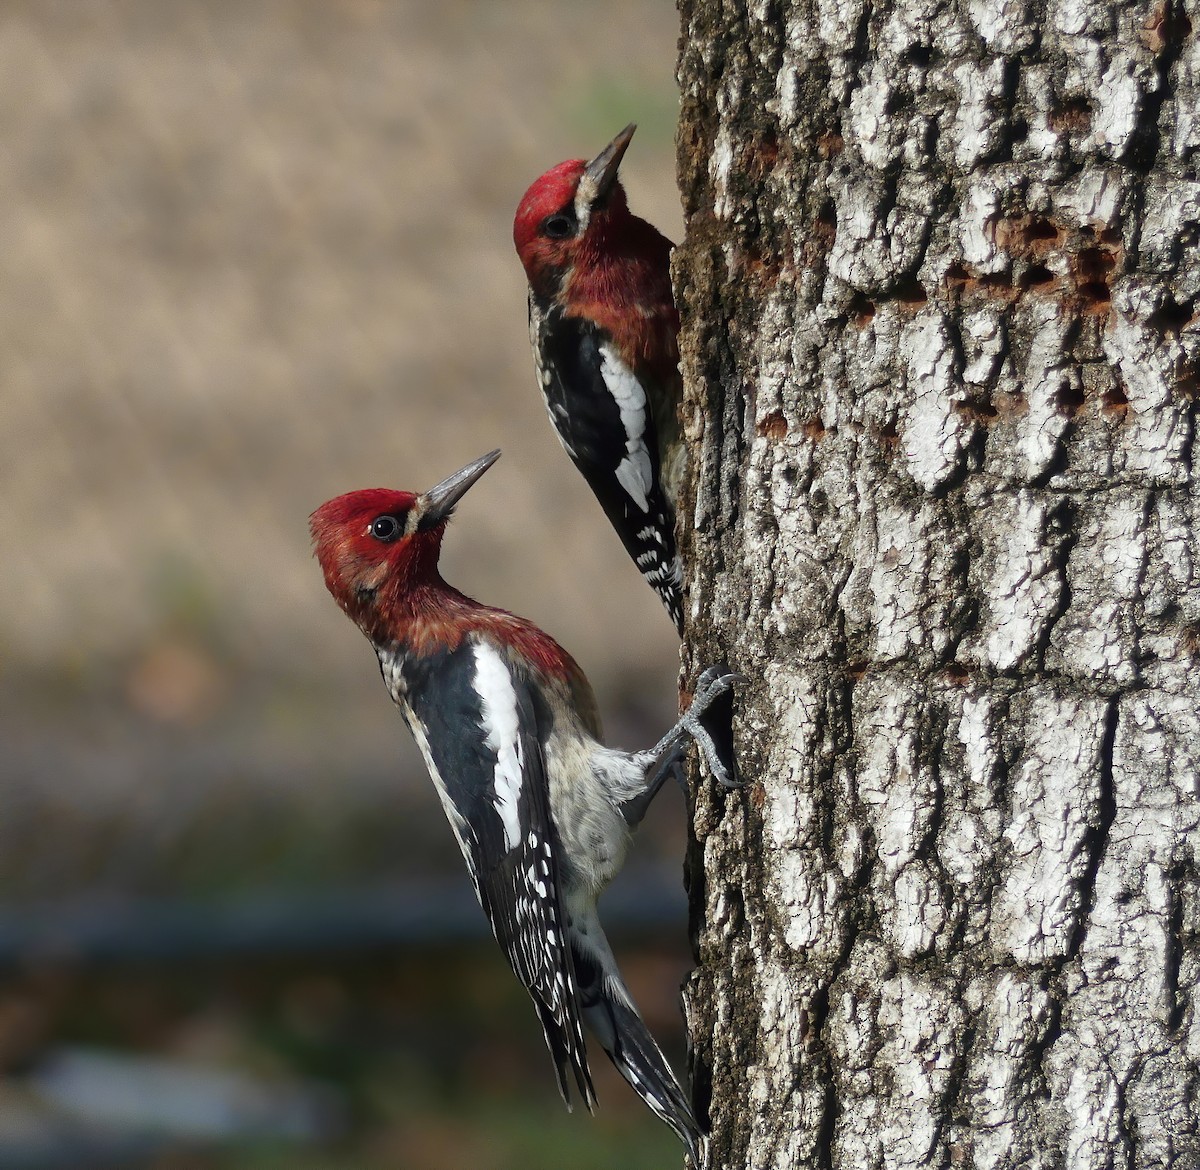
<point x="941" y="372"/>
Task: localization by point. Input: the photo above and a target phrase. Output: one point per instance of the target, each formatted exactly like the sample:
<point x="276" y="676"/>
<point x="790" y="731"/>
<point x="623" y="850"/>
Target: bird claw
<point x="713" y="682"/>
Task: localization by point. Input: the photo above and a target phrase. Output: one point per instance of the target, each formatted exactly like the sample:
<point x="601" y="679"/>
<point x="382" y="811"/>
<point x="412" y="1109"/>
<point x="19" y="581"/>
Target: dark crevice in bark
<point x="1146" y="148"/>
<point x="1040" y="1046"/>
<point x="1177" y="999"/>
<point x="1095" y="837"/>
<point x="1060" y="523"/>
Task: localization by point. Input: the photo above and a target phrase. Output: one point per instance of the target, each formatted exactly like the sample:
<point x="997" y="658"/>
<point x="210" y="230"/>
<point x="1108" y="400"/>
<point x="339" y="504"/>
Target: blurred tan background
<point x="255" y="255"/>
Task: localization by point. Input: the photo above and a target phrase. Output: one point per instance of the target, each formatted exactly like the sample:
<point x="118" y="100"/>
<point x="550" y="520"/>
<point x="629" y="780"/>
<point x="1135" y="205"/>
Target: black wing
<point x="600" y="411"/>
<point x="476" y="725"/>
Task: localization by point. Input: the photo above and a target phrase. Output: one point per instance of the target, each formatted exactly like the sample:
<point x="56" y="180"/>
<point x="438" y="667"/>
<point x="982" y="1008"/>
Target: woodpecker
<point x="605" y="336"/>
<point x="508" y="727"/>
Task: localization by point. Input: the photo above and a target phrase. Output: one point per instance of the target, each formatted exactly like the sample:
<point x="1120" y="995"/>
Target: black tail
<point x="610" y="1014"/>
<point x="567" y="1051"/>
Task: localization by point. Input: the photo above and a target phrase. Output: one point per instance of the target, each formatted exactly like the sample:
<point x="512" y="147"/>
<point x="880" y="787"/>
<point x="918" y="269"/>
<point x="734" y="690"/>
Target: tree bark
<point x="941" y="364"/>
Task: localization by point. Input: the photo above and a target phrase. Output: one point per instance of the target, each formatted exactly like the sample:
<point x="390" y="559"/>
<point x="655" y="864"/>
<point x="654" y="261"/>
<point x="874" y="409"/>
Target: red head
<point x="379" y="550"/>
<point x="573" y="212"/>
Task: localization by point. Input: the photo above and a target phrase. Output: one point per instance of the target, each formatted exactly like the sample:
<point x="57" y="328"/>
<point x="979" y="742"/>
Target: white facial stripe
<point x="634" y="472"/>
<point x="498" y="702"/>
<point x="585" y="196"/>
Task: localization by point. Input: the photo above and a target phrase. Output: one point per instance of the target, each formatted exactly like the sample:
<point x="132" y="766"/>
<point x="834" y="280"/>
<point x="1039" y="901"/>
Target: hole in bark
<point x="956" y="274"/>
<point x="761" y="266"/>
<point x="910" y="293"/>
<point x="1039" y="230"/>
<point x="1072" y="113"/>
<point x="996" y="283"/>
<point x="861" y="310"/>
<point x="1170" y="317"/>
<point x="1113" y="401"/>
<point x="813" y="429"/>
<point x="774" y="426"/>
<point x="829" y="144"/>
<point x="957" y="675"/>
<point x="1037" y="277"/>
<point x="1187" y="379"/>
<point x="888" y="435"/>
<point x="919" y="54"/>
<point x="825" y="226"/>
<point x="1095" y="263"/>
<point x="1095" y="296"/>
<point x="1153" y="34"/>
<point x="855" y="670"/>
<point x="983" y="413"/>
<point x="1013" y="404"/>
<point x="768" y="148"/>
<point x="1164" y="28"/>
<point x="1069" y="399"/>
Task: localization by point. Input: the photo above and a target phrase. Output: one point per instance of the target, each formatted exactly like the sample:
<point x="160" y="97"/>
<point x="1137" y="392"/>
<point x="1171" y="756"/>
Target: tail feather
<point x="610" y="1014"/>
<point x="567" y="1051"/>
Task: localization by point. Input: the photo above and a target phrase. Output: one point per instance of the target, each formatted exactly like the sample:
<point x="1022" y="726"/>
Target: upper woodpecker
<point x="507" y="724"/>
<point x="605" y="337"/>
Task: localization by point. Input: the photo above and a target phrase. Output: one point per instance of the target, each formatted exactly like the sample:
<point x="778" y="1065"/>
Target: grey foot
<point x="713" y="682"/>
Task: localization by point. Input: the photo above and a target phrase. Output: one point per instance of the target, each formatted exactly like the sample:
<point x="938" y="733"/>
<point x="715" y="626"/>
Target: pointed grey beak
<point x="600" y="174"/>
<point x="438" y="502"/>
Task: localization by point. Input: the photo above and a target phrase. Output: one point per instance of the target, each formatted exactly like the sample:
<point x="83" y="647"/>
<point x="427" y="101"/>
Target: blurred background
<point x="255" y="255"/>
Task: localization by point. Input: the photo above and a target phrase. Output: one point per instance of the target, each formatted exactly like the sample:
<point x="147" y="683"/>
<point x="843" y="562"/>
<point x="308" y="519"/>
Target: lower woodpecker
<point x="507" y="724"/>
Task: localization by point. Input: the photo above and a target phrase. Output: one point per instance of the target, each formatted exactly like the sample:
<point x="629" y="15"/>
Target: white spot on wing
<point x="501" y="724"/>
<point x="634" y="473"/>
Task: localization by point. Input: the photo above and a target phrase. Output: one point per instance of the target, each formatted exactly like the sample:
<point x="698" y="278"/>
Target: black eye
<point x="558" y="227"/>
<point x="386" y="528"/>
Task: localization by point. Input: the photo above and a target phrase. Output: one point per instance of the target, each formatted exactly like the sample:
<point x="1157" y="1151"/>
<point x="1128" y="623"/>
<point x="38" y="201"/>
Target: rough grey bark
<point x="942" y="362"/>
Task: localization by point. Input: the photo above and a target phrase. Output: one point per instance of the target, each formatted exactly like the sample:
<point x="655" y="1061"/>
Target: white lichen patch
<point x="720" y="165"/>
<point x="1016" y="1015"/>
<point x="934" y="434"/>
<point x="1003" y="24"/>
<point x="788" y="815"/>
<point x="971" y="822"/>
<point x="897" y="790"/>
<point x="899" y="1123"/>
<point x="870" y="130"/>
<point x="1095" y="638"/>
<point x="1117" y="102"/>
<point x="905" y="575"/>
<point x="1158" y="427"/>
<point x="1054" y="803"/>
<point x="1019" y="577"/>
<point x="859" y="255"/>
<point x="980" y="124"/>
<point x="980" y="211"/>
<point x="984" y="337"/>
<point x="807" y="898"/>
<point x="913" y="910"/>
<point x="1171" y="216"/>
<point x="1094" y="199"/>
<point x="1046" y="375"/>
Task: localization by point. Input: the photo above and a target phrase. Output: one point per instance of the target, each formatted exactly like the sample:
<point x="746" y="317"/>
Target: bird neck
<point x="432" y="617"/>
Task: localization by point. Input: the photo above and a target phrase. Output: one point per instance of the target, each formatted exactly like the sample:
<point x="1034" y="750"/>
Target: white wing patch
<point x="634" y="473"/>
<point x="501" y="725"/>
